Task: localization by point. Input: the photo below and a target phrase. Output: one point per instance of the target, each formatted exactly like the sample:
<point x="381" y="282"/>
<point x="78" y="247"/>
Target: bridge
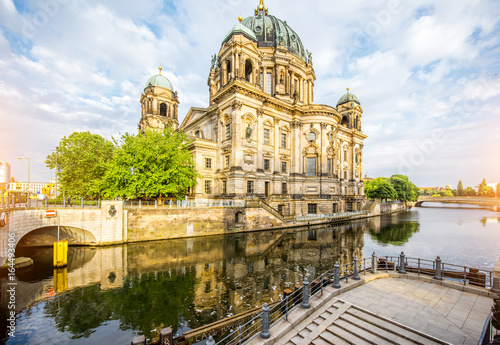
<point x="471" y="200"/>
<point x="80" y="226"/>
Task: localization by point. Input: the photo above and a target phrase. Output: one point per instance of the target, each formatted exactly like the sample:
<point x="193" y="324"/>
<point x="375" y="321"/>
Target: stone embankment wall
<point x="387" y="208"/>
<point x="146" y="224"/>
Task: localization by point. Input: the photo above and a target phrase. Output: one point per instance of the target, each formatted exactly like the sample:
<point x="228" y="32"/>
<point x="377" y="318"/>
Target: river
<point x="108" y="295"/>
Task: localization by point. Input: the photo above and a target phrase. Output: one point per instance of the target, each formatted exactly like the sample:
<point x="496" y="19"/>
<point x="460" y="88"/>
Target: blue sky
<point x="426" y="73"/>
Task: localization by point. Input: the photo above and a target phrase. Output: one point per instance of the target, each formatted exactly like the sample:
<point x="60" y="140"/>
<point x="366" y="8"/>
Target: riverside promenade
<point x="388" y="308"/>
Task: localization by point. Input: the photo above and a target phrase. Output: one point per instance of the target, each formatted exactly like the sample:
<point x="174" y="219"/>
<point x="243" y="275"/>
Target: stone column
<point x="324" y="146"/>
<point x="277" y="143"/>
<point x="237" y="153"/>
<point x="233" y="63"/>
<point x="260" y="138"/>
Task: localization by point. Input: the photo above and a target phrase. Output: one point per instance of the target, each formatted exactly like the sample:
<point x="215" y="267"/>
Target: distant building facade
<point x="262" y="136"/>
<point x="4" y="174"/>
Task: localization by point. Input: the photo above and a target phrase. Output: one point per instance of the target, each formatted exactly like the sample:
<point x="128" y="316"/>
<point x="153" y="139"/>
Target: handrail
<point x="399" y="263"/>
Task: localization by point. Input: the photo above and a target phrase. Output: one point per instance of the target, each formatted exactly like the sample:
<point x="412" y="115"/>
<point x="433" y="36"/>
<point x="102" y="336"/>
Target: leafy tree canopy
<point x="498" y="190"/>
<point x="383" y="190"/>
<point x="460" y="188"/>
<point x="403" y="187"/>
<point x="484" y="190"/>
<point x="469" y="191"/>
<point x="80" y="160"/>
<point x="151" y="164"/>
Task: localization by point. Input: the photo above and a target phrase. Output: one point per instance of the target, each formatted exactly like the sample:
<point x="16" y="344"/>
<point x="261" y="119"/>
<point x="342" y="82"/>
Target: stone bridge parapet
<point x="85" y="226"/>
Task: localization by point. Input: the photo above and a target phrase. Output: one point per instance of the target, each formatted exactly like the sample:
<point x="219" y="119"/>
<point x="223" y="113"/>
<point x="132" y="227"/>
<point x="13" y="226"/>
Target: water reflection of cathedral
<point x="262" y="135"/>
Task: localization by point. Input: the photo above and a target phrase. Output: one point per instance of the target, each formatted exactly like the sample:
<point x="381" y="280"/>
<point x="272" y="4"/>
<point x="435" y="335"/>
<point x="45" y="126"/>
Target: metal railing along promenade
<point x="309" y="217"/>
<point x="186" y="203"/>
<point x="50" y="203"/>
<point x="261" y="325"/>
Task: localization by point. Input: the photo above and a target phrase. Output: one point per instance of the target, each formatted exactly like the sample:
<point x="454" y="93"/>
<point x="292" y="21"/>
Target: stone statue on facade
<point x="249" y="131"/>
<point x="214" y="59"/>
<point x="309" y="57"/>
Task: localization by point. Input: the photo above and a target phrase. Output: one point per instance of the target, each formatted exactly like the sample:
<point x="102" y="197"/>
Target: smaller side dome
<point x="239" y="28"/>
<point x="348" y="97"/>
<point x="160" y="81"/>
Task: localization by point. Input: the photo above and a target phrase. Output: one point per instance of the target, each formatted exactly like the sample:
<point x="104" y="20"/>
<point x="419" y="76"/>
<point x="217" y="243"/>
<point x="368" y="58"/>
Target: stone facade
<point x="263" y="137"/>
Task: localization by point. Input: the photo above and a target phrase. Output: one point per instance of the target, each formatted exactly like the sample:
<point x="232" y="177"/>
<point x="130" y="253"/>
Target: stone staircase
<point x="343" y="323"/>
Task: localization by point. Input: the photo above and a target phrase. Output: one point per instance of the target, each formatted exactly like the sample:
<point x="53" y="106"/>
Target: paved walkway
<point x="398" y="309"/>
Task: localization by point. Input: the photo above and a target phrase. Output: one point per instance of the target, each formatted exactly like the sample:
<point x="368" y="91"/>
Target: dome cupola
<point x="348" y="97"/>
<point x="273" y="32"/>
<point x="159" y="80"/>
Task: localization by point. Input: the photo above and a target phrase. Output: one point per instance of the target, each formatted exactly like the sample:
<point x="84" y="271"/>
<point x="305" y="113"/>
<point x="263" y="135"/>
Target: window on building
<point x="197" y="134"/>
<point x="269" y="82"/>
<point x="283" y="167"/>
<point x="208" y="187"/>
<point x="329" y="166"/>
<point x="228" y="131"/>
<point x="262" y="80"/>
<point x="267" y="164"/>
<point x="334" y="208"/>
<point x="311" y="166"/>
<point x="312" y="208"/>
<point x="284" y="188"/>
<point x="250" y="187"/>
<point x="208" y="163"/>
<point x="345" y="155"/>
<point x="226" y="161"/>
<point x="283" y="140"/>
<point x="280" y="209"/>
<point x="312" y="136"/>
<point x="224" y="187"/>
<point x="267" y="135"/>
<point x="345" y="175"/>
<point x="331" y="137"/>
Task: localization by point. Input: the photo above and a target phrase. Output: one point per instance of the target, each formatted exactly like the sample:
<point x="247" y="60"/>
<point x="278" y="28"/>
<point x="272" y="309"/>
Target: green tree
<point x="483" y="189"/>
<point x="416" y="192"/>
<point x="470" y="191"/>
<point x="448" y="192"/>
<point x="81" y="163"/>
<point x="151" y="164"/>
<point x="383" y="190"/>
<point x="460" y="188"/>
<point x="403" y="187"/>
<point x="498" y="190"/>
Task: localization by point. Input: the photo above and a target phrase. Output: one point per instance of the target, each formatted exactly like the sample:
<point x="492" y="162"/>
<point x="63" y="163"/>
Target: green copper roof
<point x="348" y="97"/>
<point x="160" y="81"/>
<point x="272" y="32"/>
<point x="238" y="28"/>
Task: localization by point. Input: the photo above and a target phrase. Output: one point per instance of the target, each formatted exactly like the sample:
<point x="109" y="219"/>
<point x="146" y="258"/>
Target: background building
<point x="4" y="174"/>
<point x="262" y="136"/>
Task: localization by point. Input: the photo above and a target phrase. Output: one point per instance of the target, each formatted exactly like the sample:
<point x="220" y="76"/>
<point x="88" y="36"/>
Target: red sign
<point x="50" y="213"/>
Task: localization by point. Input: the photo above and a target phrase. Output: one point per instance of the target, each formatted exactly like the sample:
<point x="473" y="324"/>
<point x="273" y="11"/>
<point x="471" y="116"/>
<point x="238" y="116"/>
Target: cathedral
<point x="261" y="136"/>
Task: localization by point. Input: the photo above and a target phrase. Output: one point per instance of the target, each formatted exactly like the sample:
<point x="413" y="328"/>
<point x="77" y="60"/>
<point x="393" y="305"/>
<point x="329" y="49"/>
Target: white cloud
<point x="415" y="66"/>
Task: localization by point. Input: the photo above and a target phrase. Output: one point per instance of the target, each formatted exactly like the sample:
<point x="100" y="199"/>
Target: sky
<point x="426" y="74"/>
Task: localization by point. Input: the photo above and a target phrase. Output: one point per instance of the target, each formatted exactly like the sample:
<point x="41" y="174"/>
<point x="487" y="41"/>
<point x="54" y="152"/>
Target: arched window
<point x="248" y="71"/>
<point x="228" y="71"/>
<point x="163" y="109"/>
<point x="358" y="127"/>
<point x="345" y="121"/>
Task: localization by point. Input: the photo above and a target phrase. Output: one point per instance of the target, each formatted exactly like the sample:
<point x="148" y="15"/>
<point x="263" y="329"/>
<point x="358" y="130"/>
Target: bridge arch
<point x="47" y="235"/>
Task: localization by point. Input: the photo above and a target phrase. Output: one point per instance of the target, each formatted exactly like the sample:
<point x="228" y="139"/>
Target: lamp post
<point x="55" y="151"/>
<point x="29" y="169"/>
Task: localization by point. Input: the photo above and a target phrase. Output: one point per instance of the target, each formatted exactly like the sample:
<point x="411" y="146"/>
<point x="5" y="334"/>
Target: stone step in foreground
<point x="344" y="323"/>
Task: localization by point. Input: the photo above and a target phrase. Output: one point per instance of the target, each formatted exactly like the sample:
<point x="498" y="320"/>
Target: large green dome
<point x="348" y="97"/>
<point x="272" y="32"/>
<point x="160" y="81"/>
